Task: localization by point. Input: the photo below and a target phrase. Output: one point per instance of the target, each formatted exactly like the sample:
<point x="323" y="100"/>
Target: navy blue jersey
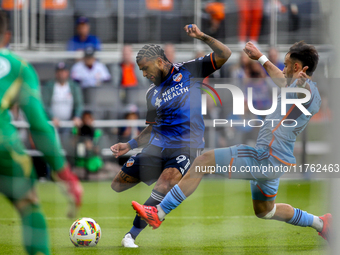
<point x="173" y="111"/>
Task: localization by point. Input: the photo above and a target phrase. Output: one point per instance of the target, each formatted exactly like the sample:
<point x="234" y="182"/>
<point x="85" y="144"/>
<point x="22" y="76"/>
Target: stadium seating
<point x="102" y="16"/>
<point x="102" y="100"/>
<point x="136" y="27"/>
<point x="45" y="70"/>
<point x="142" y="25"/>
<point x="59" y="24"/>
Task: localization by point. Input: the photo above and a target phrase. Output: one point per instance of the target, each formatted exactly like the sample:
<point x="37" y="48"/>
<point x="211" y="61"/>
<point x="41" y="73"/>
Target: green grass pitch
<point x="217" y="219"/>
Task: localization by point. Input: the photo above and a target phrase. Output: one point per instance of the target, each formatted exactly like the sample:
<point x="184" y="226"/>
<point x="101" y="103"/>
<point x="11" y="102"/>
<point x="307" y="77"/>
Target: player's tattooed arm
<point x="222" y="52"/>
<point x="144" y="137"/>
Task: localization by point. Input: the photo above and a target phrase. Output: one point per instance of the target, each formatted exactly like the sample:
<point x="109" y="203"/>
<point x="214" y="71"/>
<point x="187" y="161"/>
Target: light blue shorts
<point x="254" y="164"/>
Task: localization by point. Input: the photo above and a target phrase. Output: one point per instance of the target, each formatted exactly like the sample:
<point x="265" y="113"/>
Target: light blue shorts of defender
<point x="254" y="164"/>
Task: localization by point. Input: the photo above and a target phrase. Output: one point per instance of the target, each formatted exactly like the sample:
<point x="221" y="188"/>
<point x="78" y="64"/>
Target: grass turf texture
<point x="217" y="219"/>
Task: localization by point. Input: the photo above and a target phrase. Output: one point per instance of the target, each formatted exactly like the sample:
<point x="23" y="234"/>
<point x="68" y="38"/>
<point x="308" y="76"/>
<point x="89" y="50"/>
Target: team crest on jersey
<point x="130" y="162"/>
<point x="177" y="77"/>
<point x="5" y="67"/>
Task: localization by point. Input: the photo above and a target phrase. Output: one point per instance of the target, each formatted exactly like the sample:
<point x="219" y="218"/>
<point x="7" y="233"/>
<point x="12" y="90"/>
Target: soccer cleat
<point x="147" y="213"/>
<point x="128" y="241"/>
<point x="327" y="220"/>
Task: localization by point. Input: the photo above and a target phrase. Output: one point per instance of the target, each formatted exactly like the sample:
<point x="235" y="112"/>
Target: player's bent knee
<point x="169" y="178"/>
<point x="204" y="159"/>
<point x="268" y="215"/>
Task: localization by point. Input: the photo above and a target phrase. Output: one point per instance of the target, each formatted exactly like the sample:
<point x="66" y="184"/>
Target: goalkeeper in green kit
<point x="19" y="84"/>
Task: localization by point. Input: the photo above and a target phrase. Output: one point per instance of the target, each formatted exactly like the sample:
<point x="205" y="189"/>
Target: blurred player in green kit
<point x="19" y="84"/>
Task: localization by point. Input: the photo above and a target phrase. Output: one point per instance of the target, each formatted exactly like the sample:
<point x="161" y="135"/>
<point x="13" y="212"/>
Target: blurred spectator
<point x="240" y="71"/>
<point x="267" y="12"/>
<point x="127" y="76"/>
<point x="90" y="72"/>
<point x="293" y="17"/>
<point x="170" y="52"/>
<point x="273" y="56"/>
<point x="127" y="133"/>
<point x="214" y="136"/>
<point x="87" y="148"/>
<point x="216" y="10"/>
<point x="83" y="38"/>
<point x="242" y="134"/>
<point x="62" y="97"/>
<point x="250" y="18"/>
<point x="262" y="91"/>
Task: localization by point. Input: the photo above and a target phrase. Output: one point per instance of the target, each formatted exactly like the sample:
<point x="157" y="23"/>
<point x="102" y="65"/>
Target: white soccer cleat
<point x="128" y="241"/>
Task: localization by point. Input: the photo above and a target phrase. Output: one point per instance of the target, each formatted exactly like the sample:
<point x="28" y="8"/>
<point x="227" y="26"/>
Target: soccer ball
<point x="85" y="232"/>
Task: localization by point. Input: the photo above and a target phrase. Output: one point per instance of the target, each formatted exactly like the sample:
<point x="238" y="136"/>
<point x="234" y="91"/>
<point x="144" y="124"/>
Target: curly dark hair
<point x="306" y="54"/>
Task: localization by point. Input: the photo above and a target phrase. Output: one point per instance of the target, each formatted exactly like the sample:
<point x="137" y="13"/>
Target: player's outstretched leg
<point x="168" y="178"/>
<point x="327" y="221"/>
<point x="35" y="232"/>
<point x="294" y="216"/>
<point x="154" y="215"/>
<point x="139" y="224"/>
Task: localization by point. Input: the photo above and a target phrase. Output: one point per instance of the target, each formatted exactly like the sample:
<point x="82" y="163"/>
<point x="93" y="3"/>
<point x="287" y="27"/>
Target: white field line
<point x="170" y="217"/>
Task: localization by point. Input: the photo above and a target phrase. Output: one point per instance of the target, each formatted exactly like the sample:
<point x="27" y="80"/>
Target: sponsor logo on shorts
<point x="177" y="77"/>
<point x="130" y="162"/>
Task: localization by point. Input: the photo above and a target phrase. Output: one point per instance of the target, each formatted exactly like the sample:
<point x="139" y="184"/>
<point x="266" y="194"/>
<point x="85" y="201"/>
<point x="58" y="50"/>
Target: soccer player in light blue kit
<point x="274" y="148"/>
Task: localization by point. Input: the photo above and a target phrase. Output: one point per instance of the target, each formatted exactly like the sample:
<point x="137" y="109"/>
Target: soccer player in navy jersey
<point x="273" y="150"/>
<point x="174" y="135"/>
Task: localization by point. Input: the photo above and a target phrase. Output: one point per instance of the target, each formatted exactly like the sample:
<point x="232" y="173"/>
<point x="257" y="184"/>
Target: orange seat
<point x="54" y="4"/>
<point x="160" y="5"/>
<point x="10" y="5"/>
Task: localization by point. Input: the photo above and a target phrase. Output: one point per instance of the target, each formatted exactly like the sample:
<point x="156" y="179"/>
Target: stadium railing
<point x="312" y="147"/>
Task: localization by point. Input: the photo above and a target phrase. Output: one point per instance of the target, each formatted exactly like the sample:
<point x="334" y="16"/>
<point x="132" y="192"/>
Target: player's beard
<point x="158" y="78"/>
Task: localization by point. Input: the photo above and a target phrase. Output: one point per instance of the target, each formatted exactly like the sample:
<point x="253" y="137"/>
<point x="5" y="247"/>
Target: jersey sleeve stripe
<point x="149" y="122"/>
<point x="212" y="61"/>
<point x="230" y="165"/>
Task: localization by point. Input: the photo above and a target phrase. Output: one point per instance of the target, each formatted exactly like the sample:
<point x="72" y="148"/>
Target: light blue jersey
<point x="273" y="150"/>
<point x="281" y="138"/>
